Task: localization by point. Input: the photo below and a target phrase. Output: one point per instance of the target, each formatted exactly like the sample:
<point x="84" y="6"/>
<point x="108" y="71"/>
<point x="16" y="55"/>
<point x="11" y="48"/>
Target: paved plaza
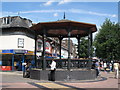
<point x="15" y="80"/>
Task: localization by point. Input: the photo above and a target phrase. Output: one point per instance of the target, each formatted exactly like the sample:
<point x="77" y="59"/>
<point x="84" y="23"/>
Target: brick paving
<point x="15" y="80"/>
<point x="17" y="85"/>
<point x="110" y="83"/>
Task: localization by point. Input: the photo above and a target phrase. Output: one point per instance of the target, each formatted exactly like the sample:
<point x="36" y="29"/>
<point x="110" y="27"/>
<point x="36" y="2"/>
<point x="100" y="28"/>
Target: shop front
<point x="13" y="59"/>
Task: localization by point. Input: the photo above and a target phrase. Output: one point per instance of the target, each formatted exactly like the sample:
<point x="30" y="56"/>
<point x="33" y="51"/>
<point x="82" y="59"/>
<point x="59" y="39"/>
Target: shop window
<point x="39" y="45"/>
<point x="6" y="60"/>
<point x="7" y="63"/>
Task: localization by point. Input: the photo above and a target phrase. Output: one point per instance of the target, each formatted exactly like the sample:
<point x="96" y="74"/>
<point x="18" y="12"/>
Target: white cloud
<point x="114" y="15"/>
<point x="43" y="11"/>
<point x="64" y="1"/>
<point x="55" y="14"/>
<point x="48" y="3"/>
<point x="59" y="10"/>
<point x="91" y="13"/>
<point x="8" y="13"/>
<point x="102" y="14"/>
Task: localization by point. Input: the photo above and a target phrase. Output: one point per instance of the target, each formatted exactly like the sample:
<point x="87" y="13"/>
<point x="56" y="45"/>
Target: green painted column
<point x="35" y="56"/>
<point x="60" y="40"/>
<point x="90" y="49"/>
<point x="69" y="34"/>
<point x="78" y="38"/>
<point x="43" y="53"/>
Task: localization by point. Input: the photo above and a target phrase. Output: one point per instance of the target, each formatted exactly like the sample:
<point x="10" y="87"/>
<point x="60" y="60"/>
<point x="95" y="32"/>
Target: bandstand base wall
<point x="63" y="75"/>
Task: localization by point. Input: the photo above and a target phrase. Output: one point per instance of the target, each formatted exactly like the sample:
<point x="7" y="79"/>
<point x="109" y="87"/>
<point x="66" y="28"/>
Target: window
<point x="20" y="43"/>
<point x="39" y="45"/>
<point x="6" y="20"/>
<point x="29" y="23"/>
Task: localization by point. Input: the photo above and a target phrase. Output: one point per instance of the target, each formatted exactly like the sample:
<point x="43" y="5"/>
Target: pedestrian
<point x="97" y="67"/>
<point x="93" y="65"/>
<point x="116" y="69"/>
<point x="24" y="70"/>
<point x="100" y="65"/>
<point x="53" y="68"/>
<point x="27" y="70"/>
<point x="15" y="65"/>
<point x="110" y="65"/>
<point x="105" y="66"/>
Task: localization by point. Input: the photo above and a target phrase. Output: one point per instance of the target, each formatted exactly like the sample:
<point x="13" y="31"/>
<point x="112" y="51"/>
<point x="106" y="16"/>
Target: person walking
<point x="27" y="70"/>
<point x="110" y="65"/>
<point x="116" y="69"/>
<point x="97" y="68"/>
<point x="105" y="66"/>
<point x="53" y="68"/>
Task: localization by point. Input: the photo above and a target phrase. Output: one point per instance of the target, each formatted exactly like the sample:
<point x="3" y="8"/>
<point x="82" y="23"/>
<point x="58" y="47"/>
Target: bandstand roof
<point x="61" y="27"/>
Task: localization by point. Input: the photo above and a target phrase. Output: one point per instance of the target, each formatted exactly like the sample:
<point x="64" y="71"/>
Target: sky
<point x="88" y="12"/>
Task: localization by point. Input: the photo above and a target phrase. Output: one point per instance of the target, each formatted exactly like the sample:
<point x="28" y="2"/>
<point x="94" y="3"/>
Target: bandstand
<point x="65" y="70"/>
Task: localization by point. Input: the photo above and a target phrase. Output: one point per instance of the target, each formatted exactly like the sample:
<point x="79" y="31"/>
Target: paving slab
<point x="15" y="80"/>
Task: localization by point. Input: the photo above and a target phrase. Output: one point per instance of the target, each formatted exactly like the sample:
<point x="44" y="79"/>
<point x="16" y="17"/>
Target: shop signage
<point x="39" y="54"/>
<point x="21" y="51"/>
<point x="30" y="52"/>
<point x="54" y="55"/>
<point x="7" y="51"/>
<point x="48" y="47"/>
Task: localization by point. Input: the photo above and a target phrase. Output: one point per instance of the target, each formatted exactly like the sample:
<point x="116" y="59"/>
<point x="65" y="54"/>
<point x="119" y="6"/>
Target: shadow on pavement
<point x="4" y="86"/>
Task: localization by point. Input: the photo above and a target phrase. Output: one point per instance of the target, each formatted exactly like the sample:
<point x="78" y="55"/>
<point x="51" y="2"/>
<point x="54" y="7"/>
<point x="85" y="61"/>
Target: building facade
<point x="18" y="44"/>
<point x="73" y="48"/>
<point x="52" y="48"/>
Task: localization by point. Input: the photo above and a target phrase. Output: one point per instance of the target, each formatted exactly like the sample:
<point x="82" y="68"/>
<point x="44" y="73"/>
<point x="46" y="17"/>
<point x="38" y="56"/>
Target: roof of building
<point x="61" y="27"/>
<point x="14" y="21"/>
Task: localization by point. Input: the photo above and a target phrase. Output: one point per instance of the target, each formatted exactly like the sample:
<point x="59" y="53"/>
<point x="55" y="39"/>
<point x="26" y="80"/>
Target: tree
<point x="83" y="48"/>
<point x="107" y="41"/>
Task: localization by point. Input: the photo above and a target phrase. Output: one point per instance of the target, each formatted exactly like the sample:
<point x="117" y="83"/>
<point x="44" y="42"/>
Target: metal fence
<point x="63" y="63"/>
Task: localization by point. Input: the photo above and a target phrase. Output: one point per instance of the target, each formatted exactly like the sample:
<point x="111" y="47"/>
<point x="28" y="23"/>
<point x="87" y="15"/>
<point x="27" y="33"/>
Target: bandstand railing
<point x="63" y="63"/>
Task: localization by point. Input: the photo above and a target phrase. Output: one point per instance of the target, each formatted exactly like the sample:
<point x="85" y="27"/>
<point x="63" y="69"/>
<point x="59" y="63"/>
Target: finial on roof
<point x="64" y="16"/>
<point x="18" y="13"/>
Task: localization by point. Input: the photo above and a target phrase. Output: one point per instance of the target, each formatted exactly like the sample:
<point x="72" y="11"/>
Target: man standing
<point x="53" y="68"/>
<point x="116" y="69"/>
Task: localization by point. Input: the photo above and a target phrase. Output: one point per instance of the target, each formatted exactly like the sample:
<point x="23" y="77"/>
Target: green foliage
<point x="84" y="48"/>
<point x="107" y="41"/>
